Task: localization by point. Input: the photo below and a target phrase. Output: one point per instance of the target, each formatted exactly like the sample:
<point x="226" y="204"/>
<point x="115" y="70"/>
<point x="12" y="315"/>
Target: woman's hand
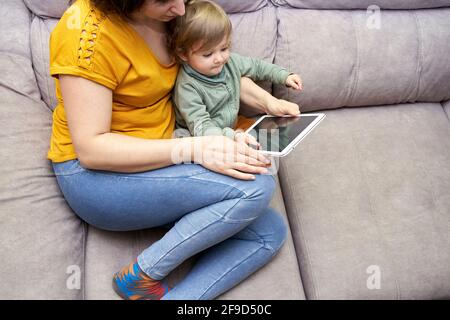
<point x="223" y="155"/>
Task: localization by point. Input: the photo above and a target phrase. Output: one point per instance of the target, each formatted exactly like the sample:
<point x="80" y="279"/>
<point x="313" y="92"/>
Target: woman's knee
<point x="276" y="232"/>
<point x="261" y="189"/>
<point x="254" y="199"/>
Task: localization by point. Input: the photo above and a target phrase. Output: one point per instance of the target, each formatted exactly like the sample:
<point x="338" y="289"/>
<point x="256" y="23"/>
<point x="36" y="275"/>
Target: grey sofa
<point x="366" y="195"/>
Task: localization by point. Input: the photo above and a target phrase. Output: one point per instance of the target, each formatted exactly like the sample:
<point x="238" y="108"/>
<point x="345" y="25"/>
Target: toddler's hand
<point x="241" y="136"/>
<point x="294" y="81"/>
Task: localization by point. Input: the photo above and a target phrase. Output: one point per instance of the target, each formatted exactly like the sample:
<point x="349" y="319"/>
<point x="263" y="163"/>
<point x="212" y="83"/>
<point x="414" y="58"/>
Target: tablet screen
<point x="276" y="133"/>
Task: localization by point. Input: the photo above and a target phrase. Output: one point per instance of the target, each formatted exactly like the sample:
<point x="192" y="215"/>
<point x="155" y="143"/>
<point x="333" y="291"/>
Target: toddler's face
<point x="209" y="62"/>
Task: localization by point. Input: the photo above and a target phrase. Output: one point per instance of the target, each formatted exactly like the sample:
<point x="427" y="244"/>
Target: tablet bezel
<point x="296" y="141"/>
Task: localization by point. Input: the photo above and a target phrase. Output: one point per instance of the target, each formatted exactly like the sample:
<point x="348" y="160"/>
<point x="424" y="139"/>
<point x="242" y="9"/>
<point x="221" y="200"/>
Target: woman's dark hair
<point x="121" y="8"/>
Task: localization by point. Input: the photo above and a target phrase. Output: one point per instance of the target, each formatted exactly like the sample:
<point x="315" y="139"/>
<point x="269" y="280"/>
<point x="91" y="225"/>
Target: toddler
<point x="207" y="90"/>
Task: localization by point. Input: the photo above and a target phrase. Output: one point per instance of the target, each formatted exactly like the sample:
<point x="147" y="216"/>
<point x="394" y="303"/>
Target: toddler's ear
<point x="182" y="56"/>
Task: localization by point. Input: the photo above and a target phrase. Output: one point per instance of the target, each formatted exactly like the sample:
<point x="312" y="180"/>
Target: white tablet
<point x="280" y="135"/>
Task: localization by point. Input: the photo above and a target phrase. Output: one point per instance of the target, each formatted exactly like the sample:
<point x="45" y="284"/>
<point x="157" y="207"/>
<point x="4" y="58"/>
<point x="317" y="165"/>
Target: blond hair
<point x="205" y="23"/>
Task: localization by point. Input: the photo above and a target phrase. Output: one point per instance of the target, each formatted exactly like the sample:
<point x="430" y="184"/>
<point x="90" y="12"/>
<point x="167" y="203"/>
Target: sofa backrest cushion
<point x="39" y="40"/>
<point x="362" y="4"/>
<point x="235" y="6"/>
<point x="56" y="8"/>
<point x="255" y="35"/>
<point x="47" y="8"/>
<point x="16" y="72"/>
<point x="15" y="32"/>
<point x="347" y="58"/>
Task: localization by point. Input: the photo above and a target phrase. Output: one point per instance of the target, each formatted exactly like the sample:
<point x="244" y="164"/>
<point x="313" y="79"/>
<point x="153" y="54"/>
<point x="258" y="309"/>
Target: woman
<point x="114" y="159"/>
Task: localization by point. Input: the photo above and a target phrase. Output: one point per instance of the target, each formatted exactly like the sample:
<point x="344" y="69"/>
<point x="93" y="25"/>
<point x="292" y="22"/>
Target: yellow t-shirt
<point x="110" y="52"/>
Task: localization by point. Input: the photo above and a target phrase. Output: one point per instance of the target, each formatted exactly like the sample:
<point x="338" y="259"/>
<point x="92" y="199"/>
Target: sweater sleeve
<point x="258" y="69"/>
<point x="190" y="106"/>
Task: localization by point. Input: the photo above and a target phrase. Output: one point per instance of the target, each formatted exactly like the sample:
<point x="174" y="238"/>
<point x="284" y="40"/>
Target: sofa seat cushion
<point x="107" y="252"/>
<point x="367" y="196"/>
<point x="42" y="242"/>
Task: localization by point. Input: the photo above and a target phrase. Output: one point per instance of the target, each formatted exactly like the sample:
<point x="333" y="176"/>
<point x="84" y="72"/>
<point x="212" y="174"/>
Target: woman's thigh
<point x="132" y="201"/>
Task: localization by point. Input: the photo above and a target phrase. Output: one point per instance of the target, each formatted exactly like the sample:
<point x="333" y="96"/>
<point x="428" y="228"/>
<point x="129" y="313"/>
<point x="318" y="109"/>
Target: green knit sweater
<point x="209" y="105"/>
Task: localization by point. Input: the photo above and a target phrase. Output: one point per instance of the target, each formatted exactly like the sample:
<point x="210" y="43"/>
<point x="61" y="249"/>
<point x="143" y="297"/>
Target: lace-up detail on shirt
<point x="88" y="37"/>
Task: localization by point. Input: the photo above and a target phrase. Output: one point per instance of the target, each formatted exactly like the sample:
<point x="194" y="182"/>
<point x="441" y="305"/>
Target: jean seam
<point x="69" y="174"/>
<point x="190" y="236"/>
<point x="63" y="173"/>
<point x="242" y="193"/>
<point x="261" y="240"/>
<point x="122" y="176"/>
<point x="134" y="176"/>
<point x="230" y="270"/>
<point x="146" y="266"/>
<point x="220" y="183"/>
<point x="125" y="177"/>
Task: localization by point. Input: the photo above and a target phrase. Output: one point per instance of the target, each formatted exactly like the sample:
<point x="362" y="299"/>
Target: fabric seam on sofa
<point x="289" y="60"/>
<point x="84" y="274"/>
<point x="443" y="109"/>
<point x="354" y="86"/>
<point x="263" y="246"/>
<point x="48" y="85"/>
<point x="419" y="53"/>
<point x="288" y="222"/>
<point x="300" y="234"/>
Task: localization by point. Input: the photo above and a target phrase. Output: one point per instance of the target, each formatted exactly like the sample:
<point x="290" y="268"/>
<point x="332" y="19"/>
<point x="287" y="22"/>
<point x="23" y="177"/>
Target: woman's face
<point x="163" y="11"/>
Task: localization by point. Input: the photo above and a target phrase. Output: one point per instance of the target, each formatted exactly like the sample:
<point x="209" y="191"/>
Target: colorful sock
<point x="131" y="283"/>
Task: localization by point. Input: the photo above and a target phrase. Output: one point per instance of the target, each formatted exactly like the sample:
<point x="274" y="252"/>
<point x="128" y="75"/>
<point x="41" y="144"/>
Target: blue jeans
<point x="228" y="220"/>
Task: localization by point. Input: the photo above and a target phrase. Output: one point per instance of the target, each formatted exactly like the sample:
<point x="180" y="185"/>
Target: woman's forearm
<point x="254" y="96"/>
<point x="122" y="153"/>
<point x="261" y="101"/>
